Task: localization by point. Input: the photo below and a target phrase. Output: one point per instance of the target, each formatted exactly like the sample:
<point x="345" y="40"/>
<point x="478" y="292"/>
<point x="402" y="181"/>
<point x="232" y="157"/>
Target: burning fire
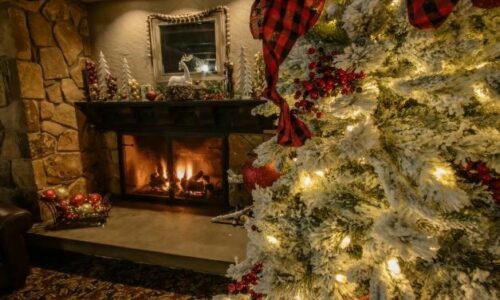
<point x="185" y="182"/>
<point x="184" y="170"/>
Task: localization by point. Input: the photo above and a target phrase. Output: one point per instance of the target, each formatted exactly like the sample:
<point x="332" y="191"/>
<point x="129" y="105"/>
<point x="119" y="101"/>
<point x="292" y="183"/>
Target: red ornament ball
<point x="49" y="195"/>
<point x="78" y="200"/>
<point x="95" y="198"/>
<point x="264" y="176"/>
<point x="151" y="95"/>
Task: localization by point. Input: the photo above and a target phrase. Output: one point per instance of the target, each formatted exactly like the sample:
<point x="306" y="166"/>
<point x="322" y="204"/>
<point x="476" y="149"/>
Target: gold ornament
<point x="62" y="192"/>
<point x="86" y="209"/>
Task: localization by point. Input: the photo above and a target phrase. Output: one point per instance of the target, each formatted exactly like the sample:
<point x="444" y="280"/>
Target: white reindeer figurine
<point x="184" y="79"/>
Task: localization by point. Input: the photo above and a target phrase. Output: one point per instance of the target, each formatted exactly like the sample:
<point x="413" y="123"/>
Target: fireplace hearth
<point x="176" y="152"/>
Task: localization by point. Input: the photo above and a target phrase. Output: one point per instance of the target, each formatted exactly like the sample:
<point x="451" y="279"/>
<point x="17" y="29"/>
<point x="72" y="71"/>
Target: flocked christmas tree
<point x="245" y="75"/>
<point x="394" y="195"/>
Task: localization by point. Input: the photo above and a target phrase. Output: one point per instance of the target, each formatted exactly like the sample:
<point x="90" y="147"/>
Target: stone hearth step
<point x="169" y="236"/>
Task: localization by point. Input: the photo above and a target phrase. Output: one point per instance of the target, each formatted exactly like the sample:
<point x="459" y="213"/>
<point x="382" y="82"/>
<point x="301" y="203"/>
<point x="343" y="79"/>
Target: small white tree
<point x="125" y="80"/>
<point x="102" y="75"/>
<point x="245" y="76"/>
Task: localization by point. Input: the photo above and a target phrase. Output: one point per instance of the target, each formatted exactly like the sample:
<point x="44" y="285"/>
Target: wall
<point x="119" y="29"/>
<point x="51" y="40"/>
<point x="16" y="174"/>
<point x="7" y="43"/>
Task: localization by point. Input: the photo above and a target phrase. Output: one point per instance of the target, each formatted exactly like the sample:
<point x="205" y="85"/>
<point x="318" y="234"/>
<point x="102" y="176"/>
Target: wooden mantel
<point x="220" y="116"/>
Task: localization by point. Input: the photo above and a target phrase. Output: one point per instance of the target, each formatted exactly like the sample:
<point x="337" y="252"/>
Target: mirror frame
<point x="219" y="14"/>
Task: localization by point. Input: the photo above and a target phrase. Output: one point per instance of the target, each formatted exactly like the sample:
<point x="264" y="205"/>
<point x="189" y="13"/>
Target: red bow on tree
<point x="426" y="14"/>
<point x="279" y="23"/>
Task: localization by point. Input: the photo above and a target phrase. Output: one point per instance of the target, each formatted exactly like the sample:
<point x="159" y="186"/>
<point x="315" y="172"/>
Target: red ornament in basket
<point x="74" y="211"/>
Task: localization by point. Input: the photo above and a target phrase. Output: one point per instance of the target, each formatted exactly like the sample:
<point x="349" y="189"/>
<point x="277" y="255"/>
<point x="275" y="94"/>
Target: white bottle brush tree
<point x="245" y="76"/>
<point x="129" y="87"/>
<point x="107" y="83"/>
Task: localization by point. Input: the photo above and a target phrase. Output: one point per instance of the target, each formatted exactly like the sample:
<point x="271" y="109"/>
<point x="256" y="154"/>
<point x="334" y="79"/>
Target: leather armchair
<point x="14" y="262"/>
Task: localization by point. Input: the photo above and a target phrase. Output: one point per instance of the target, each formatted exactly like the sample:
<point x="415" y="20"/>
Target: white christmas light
<point x="320" y="173"/>
<point x="393" y="266"/>
<point x="345" y="242"/>
<point x="439" y="173"/>
<point x="307" y="181"/>
<point x="350" y="128"/>
<point x="341" y="278"/>
<point x="271" y="239"/>
<point x="443" y="175"/>
<point x="205" y="68"/>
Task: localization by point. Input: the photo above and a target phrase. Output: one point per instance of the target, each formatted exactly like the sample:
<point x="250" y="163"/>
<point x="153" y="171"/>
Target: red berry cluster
<point x="478" y="172"/>
<point x="324" y="79"/>
<point x="112" y="87"/>
<point x="217" y="96"/>
<point x="246" y="284"/>
<point x="90" y="67"/>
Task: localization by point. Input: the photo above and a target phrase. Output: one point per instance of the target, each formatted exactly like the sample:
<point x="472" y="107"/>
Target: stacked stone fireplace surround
<point x="53" y="145"/>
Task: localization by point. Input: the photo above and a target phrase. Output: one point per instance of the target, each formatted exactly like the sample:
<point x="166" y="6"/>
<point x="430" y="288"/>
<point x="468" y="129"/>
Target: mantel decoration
<point x="163" y="26"/>
<point x="75" y="211"/>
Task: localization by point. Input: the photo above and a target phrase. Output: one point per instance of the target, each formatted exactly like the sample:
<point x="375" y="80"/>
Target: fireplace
<point x="187" y="168"/>
<point x="176" y="152"/>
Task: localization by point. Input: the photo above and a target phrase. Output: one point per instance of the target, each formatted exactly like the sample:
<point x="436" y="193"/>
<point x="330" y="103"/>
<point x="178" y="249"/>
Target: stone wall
<point x="16" y="174"/>
<point x="52" y="43"/>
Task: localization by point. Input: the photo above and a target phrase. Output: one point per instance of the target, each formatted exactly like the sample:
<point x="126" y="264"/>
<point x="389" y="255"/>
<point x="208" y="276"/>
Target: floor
<point x="169" y="236"/>
<point x="62" y="275"/>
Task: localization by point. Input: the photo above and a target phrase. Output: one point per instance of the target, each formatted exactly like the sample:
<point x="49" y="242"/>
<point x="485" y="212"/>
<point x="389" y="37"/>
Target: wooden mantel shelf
<point x="218" y="116"/>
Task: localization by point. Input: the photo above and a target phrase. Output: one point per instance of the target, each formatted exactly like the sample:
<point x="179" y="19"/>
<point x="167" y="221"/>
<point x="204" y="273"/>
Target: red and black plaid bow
<point x="426" y="14"/>
<point x="279" y="23"/>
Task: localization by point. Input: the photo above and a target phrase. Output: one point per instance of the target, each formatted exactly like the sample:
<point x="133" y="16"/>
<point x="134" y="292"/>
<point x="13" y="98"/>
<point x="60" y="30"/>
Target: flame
<point x="164" y="167"/>
<point x="180" y="171"/>
<point x="184" y="169"/>
<point x="189" y="170"/>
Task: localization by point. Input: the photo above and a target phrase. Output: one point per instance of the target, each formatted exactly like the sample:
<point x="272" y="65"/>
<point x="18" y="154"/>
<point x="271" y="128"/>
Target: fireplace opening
<point x="188" y="169"/>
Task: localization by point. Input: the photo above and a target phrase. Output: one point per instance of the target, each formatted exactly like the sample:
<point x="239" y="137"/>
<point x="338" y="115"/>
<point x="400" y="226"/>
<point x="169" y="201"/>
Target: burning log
<point x="157" y="181"/>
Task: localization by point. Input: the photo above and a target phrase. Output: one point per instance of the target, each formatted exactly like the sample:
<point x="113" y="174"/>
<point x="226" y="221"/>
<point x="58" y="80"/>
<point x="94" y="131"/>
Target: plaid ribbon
<point x="279" y="23"/>
<point x="425" y="14"/>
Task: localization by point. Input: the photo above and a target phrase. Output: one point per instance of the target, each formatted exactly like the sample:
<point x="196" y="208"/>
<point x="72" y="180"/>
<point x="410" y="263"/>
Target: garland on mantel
<point x="191" y="18"/>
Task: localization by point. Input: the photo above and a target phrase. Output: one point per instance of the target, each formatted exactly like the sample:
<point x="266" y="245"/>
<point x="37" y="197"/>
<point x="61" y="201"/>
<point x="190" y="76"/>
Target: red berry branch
<point x="478" y="172"/>
<point x="324" y="79"/>
<point x="247" y="283"/>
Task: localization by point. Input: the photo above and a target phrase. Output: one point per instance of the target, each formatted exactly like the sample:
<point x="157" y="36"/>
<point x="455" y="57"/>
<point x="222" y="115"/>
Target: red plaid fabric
<point x="279" y="23"/>
<point x="486" y="3"/>
<point x="426" y="14"/>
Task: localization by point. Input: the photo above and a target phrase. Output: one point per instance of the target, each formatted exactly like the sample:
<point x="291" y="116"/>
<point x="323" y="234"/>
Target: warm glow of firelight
<point x="184" y="169"/>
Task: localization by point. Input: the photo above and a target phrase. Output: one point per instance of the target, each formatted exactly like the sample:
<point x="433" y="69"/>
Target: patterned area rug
<point x="62" y="275"/>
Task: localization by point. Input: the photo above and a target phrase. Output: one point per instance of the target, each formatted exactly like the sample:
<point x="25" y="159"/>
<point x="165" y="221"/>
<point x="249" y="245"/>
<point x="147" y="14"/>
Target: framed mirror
<point x="204" y="35"/>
